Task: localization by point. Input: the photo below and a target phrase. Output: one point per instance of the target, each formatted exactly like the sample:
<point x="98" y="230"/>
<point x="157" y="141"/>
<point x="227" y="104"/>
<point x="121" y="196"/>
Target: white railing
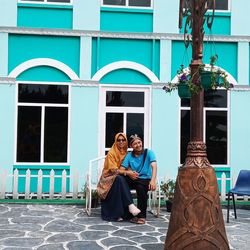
<point x="39" y="194"/>
<point x="94" y="171"/>
<point x="92" y="177"/>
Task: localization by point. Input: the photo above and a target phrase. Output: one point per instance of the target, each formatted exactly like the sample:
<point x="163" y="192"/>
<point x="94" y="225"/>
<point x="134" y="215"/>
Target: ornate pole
<point x="196" y="220"/>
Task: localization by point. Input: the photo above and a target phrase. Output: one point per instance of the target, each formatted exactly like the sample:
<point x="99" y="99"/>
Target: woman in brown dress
<point x="116" y="199"/>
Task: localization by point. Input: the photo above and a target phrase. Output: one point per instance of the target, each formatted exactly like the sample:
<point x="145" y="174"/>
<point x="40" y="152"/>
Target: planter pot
<point x="94" y="202"/>
<point x="206" y="80"/>
<point x="168" y="205"/>
<point x="183" y="91"/>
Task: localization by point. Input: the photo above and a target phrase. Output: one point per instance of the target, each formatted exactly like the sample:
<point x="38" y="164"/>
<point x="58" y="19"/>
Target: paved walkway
<point x="47" y="227"/>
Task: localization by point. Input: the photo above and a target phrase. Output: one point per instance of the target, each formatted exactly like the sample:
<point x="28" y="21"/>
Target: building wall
<point x="82" y="39"/>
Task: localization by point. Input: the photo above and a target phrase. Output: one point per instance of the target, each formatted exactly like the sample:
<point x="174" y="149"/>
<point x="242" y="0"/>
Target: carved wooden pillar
<point x="196" y="221"/>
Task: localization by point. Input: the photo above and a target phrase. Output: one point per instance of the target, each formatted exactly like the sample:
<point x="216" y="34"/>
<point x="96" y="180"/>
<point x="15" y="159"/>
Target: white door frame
<point x="147" y="89"/>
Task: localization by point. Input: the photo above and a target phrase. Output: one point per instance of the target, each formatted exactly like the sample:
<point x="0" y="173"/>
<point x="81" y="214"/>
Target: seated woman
<point x="116" y="199"/>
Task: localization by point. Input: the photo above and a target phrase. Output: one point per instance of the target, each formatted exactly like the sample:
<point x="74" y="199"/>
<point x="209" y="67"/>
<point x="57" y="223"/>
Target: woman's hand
<point x="152" y="185"/>
<point x="132" y="174"/>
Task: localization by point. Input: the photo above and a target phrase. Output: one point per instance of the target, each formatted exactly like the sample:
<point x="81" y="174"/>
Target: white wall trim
<point x="126" y="35"/>
<point x="43" y="62"/>
<point x="125" y="65"/>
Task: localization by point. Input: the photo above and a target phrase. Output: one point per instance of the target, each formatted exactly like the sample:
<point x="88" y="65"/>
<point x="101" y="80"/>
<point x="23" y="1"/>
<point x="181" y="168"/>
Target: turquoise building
<point x="75" y="72"/>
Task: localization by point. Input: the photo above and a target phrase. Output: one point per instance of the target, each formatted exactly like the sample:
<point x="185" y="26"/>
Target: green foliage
<point x="168" y="187"/>
<point x="94" y="193"/>
<point x="218" y="78"/>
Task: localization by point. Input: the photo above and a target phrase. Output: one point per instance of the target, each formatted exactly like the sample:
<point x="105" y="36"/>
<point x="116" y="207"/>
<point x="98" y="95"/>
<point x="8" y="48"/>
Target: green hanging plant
<point x="213" y="77"/>
<point x="186" y="88"/>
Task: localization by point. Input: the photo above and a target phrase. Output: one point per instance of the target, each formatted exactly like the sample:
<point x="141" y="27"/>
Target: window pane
<point x="55" y="134"/>
<point x="135" y="125"/>
<point x="32" y="0"/>
<point x="114" y="2"/>
<point x="216" y="136"/>
<point x="114" y="125"/>
<point x="216" y="98"/>
<point x="144" y="3"/>
<point x="220" y="4"/>
<point x="185" y="102"/>
<point x="41" y="93"/>
<point x="59" y="1"/>
<point x="185" y="133"/>
<point x="29" y="134"/>
<point x="125" y="99"/>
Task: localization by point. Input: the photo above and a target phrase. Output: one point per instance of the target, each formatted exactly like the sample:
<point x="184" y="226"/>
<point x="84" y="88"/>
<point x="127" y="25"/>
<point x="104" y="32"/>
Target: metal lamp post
<point x="196" y="220"/>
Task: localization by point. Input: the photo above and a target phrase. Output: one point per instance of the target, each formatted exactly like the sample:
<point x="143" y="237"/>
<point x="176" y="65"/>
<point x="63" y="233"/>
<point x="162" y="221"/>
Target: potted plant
<point x="213" y="77"/>
<point x="94" y="196"/>
<point x="184" y="84"/>
<point x="168" y="187"/>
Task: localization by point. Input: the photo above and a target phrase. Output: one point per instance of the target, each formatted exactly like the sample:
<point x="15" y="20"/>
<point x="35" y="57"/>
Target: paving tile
<point x="80" y="245"/>
<point x="94" y="235"/>
<point x="56" y="227"/>
<point x="113" y="241"/>
<point x="51" y="247"/>
<point x="63" y="226"/>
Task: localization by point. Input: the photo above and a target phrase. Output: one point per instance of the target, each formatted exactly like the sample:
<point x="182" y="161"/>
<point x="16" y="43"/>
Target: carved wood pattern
<point x="196" y="220"/>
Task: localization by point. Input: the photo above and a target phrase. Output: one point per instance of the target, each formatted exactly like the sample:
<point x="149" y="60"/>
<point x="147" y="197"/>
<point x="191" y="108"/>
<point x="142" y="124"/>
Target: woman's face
<point x="120" y="142"/>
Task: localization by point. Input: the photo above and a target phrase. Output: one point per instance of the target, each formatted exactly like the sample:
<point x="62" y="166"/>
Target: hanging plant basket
<point x="183" y="90"/>
<point x="209" y="79"/>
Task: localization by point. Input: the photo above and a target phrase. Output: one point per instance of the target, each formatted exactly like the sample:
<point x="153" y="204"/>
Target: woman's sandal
<point x="136" y="220"/>
<point x="141" y="221"/>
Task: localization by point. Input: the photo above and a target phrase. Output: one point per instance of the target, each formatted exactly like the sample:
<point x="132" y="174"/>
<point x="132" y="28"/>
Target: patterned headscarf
<point x="115" y="156"/>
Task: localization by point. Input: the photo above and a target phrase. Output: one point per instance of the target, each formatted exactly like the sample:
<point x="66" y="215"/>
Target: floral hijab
<point x="115" y="156"/>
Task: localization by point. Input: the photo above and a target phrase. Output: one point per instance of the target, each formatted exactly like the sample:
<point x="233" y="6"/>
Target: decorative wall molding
<point x="44" y="62"/>
<point x="125" y="65"/>
<point x="125" y="35"/>
<point x="8" y="80"/>
<point x="85" y="83"/>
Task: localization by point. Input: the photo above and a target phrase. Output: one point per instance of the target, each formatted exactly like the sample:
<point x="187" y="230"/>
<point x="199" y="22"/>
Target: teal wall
<point x="43" y="73"/>
<point x="84" y="129"/>
<point x="125" y="76"/>
<point x="221" y="24"/>
<point x="227" y="52"/>
<point x="45" y="16"/>
<point x="240" y="124"/>
<point x="165" y="131"/>
<point x="219" y="171"/>
<point x="45" y="180"/>
<point x="7" y="129"/>
<point x="86" y="16"/>
<point x="8" y="13"/>
<point x="26" y="47"/>
<point x="166" y="16"/>
<point x="4" y="54"/>
<point x="126" y="20"/>
<point x="240" y="18"/>
<point x="145" y="52"/>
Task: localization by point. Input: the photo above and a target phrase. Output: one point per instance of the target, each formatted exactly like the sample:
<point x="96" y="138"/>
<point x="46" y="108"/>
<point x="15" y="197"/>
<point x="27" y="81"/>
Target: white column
<point x="85" y="58"/>
<point x="243" y="63"/>
<point x="165" y="60"/>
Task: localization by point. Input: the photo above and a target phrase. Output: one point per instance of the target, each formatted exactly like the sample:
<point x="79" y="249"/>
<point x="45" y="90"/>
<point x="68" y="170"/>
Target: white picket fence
<point x="73" y="179"/>
<point x="39" y="194"/>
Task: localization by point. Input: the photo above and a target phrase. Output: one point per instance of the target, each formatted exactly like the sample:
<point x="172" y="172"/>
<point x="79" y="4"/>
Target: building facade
<point x="75" y="72"/>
